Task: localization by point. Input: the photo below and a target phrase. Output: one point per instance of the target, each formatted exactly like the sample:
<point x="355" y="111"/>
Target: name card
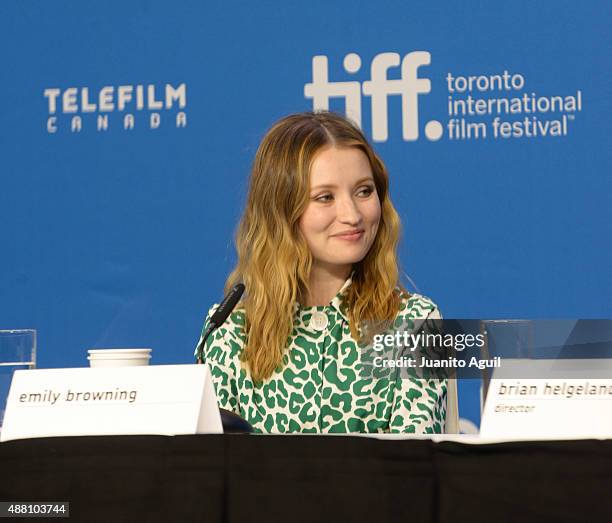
<point x="160" y="399"/>
<point x="549" y="399"/>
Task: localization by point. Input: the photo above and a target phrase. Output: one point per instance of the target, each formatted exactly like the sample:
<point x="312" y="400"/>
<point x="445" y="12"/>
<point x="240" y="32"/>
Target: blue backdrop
<point x="127" y="133"/>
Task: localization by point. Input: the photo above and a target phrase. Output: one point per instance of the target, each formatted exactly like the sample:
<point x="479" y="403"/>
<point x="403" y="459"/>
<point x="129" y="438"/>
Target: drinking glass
<point x="505" y="338"/>
<point x="17" y="351"/>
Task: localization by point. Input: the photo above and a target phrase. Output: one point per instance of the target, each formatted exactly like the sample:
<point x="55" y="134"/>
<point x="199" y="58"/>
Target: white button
<point x="318" y="320"/>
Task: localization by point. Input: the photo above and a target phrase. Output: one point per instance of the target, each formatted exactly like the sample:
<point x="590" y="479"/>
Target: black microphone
<point x="220" y="315"/>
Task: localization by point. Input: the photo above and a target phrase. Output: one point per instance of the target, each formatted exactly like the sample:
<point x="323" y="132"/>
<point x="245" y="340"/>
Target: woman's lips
<point x="350" y="237"/>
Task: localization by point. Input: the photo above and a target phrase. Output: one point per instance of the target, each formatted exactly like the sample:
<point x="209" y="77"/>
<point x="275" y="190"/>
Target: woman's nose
<point x="347" y="211"/>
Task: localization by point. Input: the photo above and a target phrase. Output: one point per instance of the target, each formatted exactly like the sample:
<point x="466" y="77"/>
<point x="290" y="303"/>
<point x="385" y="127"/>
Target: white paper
<point x="160" y="399"/>
<point x="549" y="399"/>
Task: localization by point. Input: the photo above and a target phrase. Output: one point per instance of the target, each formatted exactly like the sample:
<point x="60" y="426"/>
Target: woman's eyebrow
<point x="333" y="186"/>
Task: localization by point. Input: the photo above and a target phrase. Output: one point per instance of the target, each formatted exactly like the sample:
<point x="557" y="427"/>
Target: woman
<point x="317" y="253"/>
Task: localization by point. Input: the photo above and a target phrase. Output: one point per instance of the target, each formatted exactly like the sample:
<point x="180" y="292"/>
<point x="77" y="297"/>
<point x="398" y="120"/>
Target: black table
<point x="244" y="478"/>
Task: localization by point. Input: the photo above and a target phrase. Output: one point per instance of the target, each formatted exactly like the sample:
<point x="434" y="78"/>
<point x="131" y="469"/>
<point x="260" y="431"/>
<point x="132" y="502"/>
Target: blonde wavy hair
<point x="274" y="261"/>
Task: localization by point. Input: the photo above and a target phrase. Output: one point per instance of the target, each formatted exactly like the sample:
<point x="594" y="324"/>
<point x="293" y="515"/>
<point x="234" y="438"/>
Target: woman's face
<point x="341" y="219"/>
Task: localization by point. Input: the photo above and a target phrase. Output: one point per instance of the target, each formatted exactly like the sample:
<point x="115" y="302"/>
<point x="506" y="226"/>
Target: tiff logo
<point x="378" y="88"/>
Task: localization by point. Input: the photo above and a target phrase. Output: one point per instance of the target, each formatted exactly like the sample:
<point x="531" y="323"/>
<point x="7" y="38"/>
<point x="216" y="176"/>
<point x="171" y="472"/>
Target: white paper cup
<point x="118" y="357"/>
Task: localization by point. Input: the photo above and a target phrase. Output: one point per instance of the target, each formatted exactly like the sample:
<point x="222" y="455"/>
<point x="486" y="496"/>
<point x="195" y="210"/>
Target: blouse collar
<point x="338" y="302"/>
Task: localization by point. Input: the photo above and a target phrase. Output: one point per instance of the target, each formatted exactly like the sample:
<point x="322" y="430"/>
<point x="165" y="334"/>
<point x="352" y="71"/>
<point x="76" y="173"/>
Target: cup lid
<point x="119" y="351"/>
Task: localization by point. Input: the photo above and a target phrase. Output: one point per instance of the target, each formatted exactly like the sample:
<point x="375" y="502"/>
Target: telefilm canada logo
<point x="497" y="106"/>
<point x="121" y="107"/>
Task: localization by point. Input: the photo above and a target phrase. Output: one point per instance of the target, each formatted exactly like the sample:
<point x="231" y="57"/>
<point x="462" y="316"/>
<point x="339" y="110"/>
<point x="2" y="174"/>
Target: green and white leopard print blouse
<point x="321" y="387"/>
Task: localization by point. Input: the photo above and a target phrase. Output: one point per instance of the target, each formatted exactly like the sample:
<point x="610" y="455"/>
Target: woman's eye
<point x="323" y="198"/>
<point x="366" y="190"/>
